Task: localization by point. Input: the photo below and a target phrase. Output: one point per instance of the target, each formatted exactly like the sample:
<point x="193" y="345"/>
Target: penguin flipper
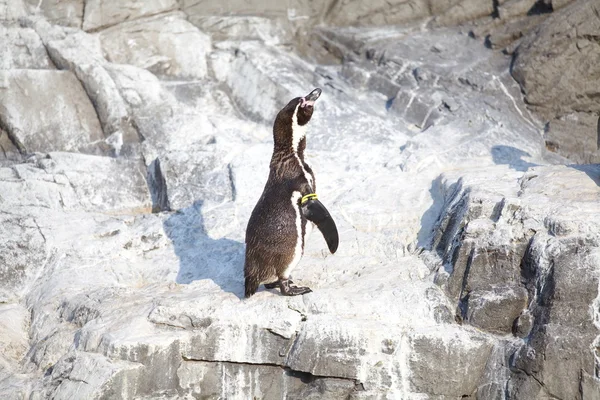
<point x="316" y="212"/>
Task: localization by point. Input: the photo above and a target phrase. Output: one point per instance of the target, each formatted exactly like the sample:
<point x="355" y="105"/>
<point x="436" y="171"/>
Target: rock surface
<point x="134" y="150"/>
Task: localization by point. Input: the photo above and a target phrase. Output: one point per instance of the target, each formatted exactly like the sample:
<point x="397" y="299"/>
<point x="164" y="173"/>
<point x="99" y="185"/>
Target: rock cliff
<point x="449" y="145"/>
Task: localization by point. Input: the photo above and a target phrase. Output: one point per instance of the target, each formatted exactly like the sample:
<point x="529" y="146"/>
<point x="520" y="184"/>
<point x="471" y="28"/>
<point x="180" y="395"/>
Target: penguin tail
<point x="251" y="286"/>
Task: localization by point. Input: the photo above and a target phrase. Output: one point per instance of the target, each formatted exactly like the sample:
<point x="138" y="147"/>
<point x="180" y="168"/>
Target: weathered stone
<point x="72" y="124"/>
<point x="271" y="31"/>
<point x="23" y="254"/>
<point x="515" y="8"/>
<point x="446" y="363"/>
<point x="131" y="304"/>
<point x="164" y="45"/>
<point x="9" y="153"/>
<point x="94" y="376"/>
<point x="496" y="310"/>
<point x="12" y="10"/>
<point x="463" y="11"/>
<point x="299" y="10"/>
<point x="566" y="84"/>
<point x="356" y="13"/>
<point x="102" y="183"/>
<point x="61" y="12"/>
<point x="73" y="181"/>
<point x="14" y="324"/>
<point x="100" y="13"/>
<point x="257" y="381"/>
<point x="574" y="136"/>
<point x="23" y="49"/>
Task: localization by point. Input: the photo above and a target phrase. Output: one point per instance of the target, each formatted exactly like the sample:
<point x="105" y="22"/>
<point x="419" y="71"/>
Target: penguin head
<point x="292" y="119"/>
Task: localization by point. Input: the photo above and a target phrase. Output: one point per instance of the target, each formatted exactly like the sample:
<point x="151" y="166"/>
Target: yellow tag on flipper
<point x="310" y="196"/>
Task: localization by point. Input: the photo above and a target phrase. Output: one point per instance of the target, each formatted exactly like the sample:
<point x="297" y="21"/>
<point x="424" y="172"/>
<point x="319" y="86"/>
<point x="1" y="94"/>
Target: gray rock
<point x="14" y="326"/>
<point x="72" y="125"/>
<point x="515" y="8"/>
<point x="165" y="45"/>
<point x="23" y="254"/>
<point x="298" y="11"/>
<point x="73" y="181"/>
<point x="247" y="380"/>
<point x="442" y="364"/>
<point x="575" y="137"/>
<point x="101" y="14"/>
<point x="465" y="270"/>
<point x="462" y="11"/>
<point x="23" y="49"/>
<point x="377" y="13"/>
<point x="12" y="10"/>
<point x="566" y="85"/>
<point x="9" y="153"/>
<point x="65" y="13"/>
<point x="556" y="320"/>
<point x="495" y="310"/>
<point x="268" y="30"/>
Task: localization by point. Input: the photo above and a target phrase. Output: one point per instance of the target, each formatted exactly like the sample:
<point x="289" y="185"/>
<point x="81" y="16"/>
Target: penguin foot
<point x="288" y="290"/>
<point x="275" y="285"/>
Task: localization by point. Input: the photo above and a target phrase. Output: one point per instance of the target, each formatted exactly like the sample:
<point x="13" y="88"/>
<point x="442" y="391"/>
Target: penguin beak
<point x="311" y="98"/>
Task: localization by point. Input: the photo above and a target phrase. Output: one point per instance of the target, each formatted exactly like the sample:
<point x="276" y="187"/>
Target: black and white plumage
<point x="277" y="227"/>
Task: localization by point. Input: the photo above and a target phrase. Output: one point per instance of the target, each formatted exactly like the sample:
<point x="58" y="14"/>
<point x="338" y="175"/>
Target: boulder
<point x="23" y="49"/>
<point x="101" y="14"/>
<point x="165" y="45"/>
<point x="566" y="37"/>
<point x="33" y="126"/>
<point x="66" y="13"/>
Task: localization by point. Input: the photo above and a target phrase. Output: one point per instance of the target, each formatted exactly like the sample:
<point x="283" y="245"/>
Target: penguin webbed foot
<point x="275" y="285"/>
<point x="288" y="290"/>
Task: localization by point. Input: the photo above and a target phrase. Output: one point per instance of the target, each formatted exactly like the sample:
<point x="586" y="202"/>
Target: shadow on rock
<point x="201" y="257"/>
<point x="591" y="170"/>
<point x="512" y="157"/>
<point x="430" y="218"/>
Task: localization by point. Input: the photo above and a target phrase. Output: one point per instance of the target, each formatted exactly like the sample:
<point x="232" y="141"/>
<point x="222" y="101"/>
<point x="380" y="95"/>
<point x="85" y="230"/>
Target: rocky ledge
<point x="136" y="140"/>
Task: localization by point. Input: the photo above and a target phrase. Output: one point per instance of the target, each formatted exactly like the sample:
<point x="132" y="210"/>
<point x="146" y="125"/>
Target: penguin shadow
<point x="512" y="157"/>
<point x="430" y="218"/>
<point x="200" y="256"/>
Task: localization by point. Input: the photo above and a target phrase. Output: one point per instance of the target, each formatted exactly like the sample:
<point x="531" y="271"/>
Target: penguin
<point x="278" y="224"/>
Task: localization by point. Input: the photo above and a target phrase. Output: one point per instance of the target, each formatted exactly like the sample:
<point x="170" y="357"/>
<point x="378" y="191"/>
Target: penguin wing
<point x="316" y="212"/>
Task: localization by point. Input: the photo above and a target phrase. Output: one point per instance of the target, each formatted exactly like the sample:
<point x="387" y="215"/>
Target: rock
<point x="24" y="49"/>
<point x="65" y="13"/>
<point x="159" y="44"/>
<point x="463" y="11"/>
<point x="24" y="253"/>
<point x="271" y="31"/>
<point x="72" y="126"/>
<point x="515" y="8"/>
<point x="250" y="380"/>
<point x="81" y="53"/>
<point x="376" y="13"/>
<point x="574" y="136"/>
<point x="9" y="152"/>
<point x="301" y="11"/>
<point x="14" y="325"/>
<point x="101" y="14"/>
<point x="567" y="37"/>
<point x="251" y="73"/>
<point x="91" y="375"/>
<point x="543" y="274"/>
<point x="73" y="181"/>
<point x="507" y="35"/>
<point x="12" y="10"/>
<point x="457" y="365"/>
<point x="467" y="267"/>
<point x="495" y="310"/>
